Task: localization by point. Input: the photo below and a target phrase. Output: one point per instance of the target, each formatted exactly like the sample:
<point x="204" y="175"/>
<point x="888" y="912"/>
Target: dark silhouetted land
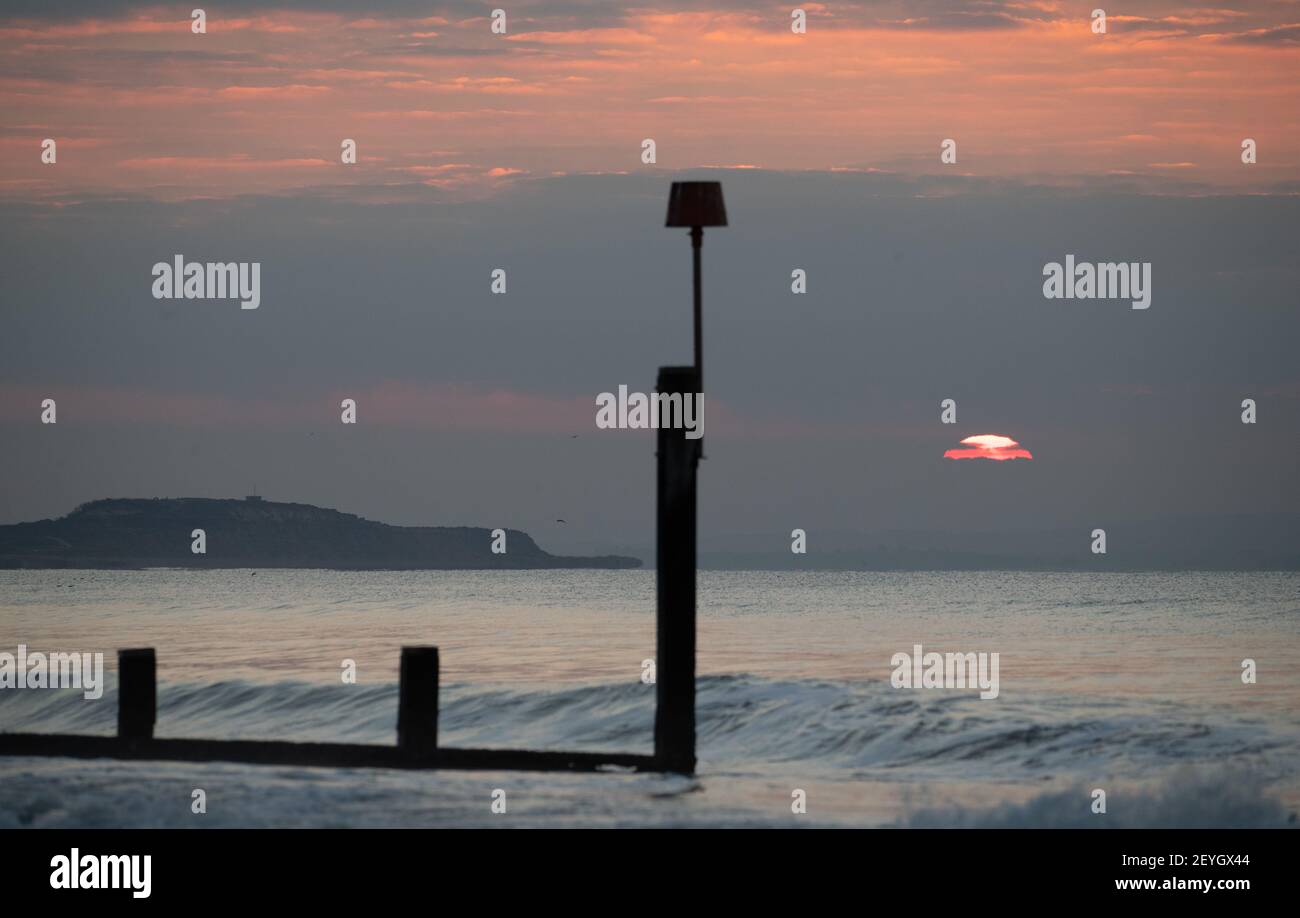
<point x="138" y="533"/>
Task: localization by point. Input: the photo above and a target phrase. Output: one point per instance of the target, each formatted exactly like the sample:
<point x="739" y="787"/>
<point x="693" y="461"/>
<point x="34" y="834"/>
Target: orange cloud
<point x="237" y="161"/>
<point x="1166" y="101"/>
<point x="585" y="37"/>
<point x="294" y="91"/>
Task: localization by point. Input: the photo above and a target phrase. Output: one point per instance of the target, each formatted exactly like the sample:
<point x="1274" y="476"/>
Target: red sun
<point x="989" y="446"/>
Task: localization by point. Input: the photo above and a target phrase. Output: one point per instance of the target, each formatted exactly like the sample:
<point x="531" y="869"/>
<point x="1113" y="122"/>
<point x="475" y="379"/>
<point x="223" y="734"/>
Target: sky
<point x="262" y="100"/>
<point x="523" y="151"/>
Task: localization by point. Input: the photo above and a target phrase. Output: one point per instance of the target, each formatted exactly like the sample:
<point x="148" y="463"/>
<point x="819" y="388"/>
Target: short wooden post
<point x="678" y="459"/>
<point x="417" y="703"/>
<point x="137" y="693"/>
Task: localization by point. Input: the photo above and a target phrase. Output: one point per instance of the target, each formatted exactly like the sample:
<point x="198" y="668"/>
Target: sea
<point x="1130" y="684"/>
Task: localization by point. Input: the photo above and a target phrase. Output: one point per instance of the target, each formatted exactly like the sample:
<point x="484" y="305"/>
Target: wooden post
<point x="137" y="693"/>
<point x="417" y="703"/>
<point x="678" y="460"/>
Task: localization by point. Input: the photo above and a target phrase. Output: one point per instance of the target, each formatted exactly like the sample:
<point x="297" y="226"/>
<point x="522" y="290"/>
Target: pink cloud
<point x="293" y="91"/>
<point x="717" y="83"/>
<point x="586" y="37"/>
<point x="393" y="404"/>
<point x="237" y="161"/>
<point x="433" y="406"/>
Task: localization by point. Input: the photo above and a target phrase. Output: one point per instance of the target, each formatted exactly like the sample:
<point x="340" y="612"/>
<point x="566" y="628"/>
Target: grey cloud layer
<point x="918" y="290"/>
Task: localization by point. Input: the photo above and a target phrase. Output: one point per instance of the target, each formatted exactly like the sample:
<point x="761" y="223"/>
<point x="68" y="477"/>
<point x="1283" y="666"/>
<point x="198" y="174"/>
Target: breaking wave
<point x="742" y="720"/>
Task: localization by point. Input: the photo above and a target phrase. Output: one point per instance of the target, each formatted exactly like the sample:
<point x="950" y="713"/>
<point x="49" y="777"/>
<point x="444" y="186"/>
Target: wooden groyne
<point x="417" y="716"/>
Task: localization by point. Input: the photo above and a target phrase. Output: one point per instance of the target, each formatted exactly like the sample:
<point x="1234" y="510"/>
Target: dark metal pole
<point x="137" y="693"/>
<point x="677" y="461"/>
<point x="697" y="243"/>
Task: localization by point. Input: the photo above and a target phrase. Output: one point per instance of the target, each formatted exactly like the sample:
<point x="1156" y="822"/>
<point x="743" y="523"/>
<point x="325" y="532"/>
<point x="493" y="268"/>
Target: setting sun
<point x="989" y="446"/>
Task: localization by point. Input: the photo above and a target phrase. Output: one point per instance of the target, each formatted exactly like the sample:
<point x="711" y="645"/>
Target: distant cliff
<point x="131" y="533"/>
